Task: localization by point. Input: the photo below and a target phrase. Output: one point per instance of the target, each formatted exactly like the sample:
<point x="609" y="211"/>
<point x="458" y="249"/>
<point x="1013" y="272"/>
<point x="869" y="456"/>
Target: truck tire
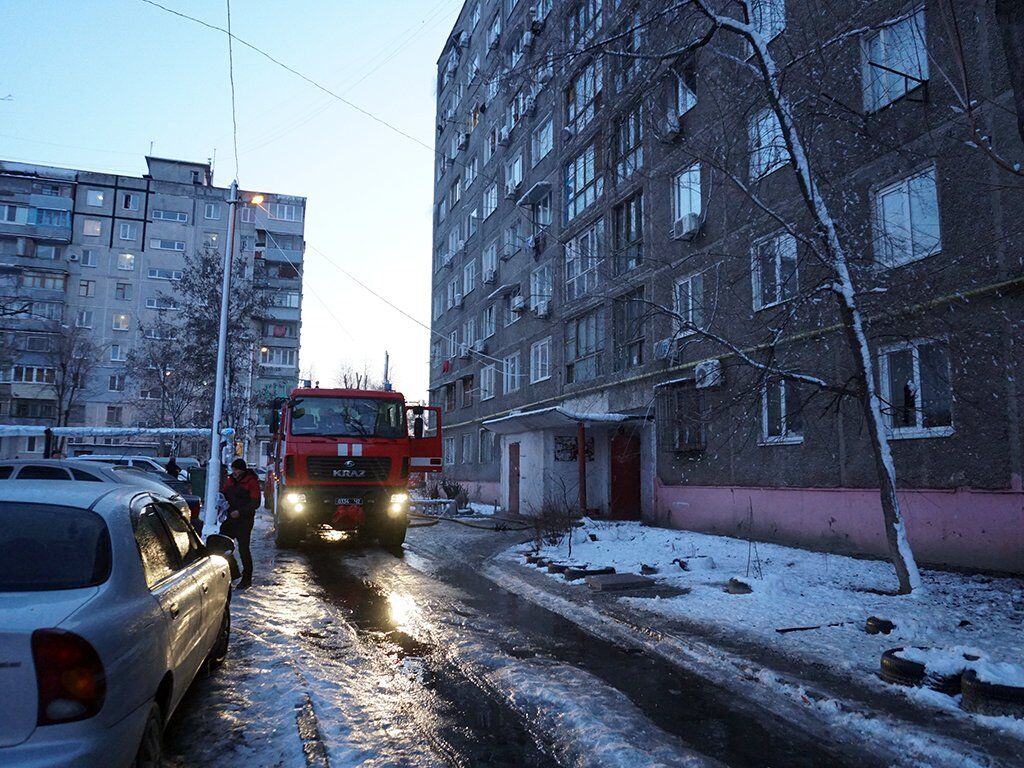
<point x="392" y="536"/>
<point x="289" y="534"/>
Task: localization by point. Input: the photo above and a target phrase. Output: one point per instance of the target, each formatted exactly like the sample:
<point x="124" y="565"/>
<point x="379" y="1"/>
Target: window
<point x="120" y="322"/>
<point x="94" y="198"/>
<point x="285" y="211"/>
<point x="628" y="330"/>
<point x="449" y="398"/>
<point x="13" y="214"/>
<point x="47" y="310"/>
<point x="448" y="449"/>
<point x="768" y="17"/>
<point x="467" y="448"/>
<point x="490" y="321"/>
<point x="469" y="331"/>
<point x="115" y="413"/>
<point x="629" y="234"/>
<point x="43" y="280"/>
<point x="123" y="291"/>
<point x="490" y="200"/>
<point x="280" y="330"/>
<point x="474" y="16"/>
<point x="115" y="383"/>
<point x="279" y="357"/>
<point x="33" y="409"/>
<point x="165" y="274"/>
<point x="513" y="239"/>
<point x="781" y="420"/>
<point x="159" y="215"/>
<point x="167" y="245"/>
<point x="631" y="35"/>
<point x="84" y="319"/>
<point x="37" y="344"/>
<point x="774" y="270"/>
<point x="490" y="260"/>
<point x="584" y="20"/>
<point x="629" y="144"/>
<point x="686" y="199"/>
<point x="512" y="299"/>
<point x="895" y="61"/>
<point x="88" y="257"/>
<point x="87" y="288"/>
<point x="907" y="220"/>
<point x="681" y="418"/>
<point x="465" y="391"/>
<point x="487" y="382"/>
<point x="211" y="240"/>
<point x="162" y="303"/>
<point x="486" y="441"/>
<point x="682" y="96"/>
<point x="494" y="31"/>
<point x="159" y="556"/>
<point x="130" y="201"/>
<point x="288" y="299"/>
<point x="541" y="218"/>
<point x="118" y="353"/>
<point x="127" y="230"/>
<point x="454" y="295"/>
<point x="688" y="304"/>
<point x="584" y="342"/>
<point x="48" y="251"/>
<point x="247" y="214"/>
<point x="582" y="259"/>
<point x="583" y="183"/>
<point x="126" y="261"/>
<point x="542" y="141"/>
<point x="540" y="286"/>
<point x="469" y="276"/>
<point x="768" y="150"/>
<point x="23" y="374"/>
<point x="583" y="97"/>
<point x="472" y="222"/>
<point x="453" y="346"/>
<point x="514" y="172"/>
<point x="510" y="373"/>
<point x="916" y="389"/>
<point x="92" y="227"/>
<point x="49" y="217"/>
<point x="540" y="360"/>
<point x="211" y="211"/>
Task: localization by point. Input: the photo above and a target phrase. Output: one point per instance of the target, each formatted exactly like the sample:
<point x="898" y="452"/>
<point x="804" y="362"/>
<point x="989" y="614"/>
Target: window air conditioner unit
<point x="493" y="42"/>
<point x="512" y="190"/>
<point x="670" y="128"/>
<point x="459" y="298"/>
<point x="545" y="75"/>
<point x="569" y="132"/>
<point x="490" y="275"/>
<point x="527" y="40"/>
<point x="74" y="257"/>
<point x="709" y="374"/>
<point x="543" y="308"/>
<point x="503" y="136"/>
<point x="686" y="227"/>
<point x="448" y="259"/>
<point x="665" y="349"/>
<point x="479" y="346"/>
<point x="518" y="303"/>
<point x="464" y="141"/>
<point x="530" y="105"/>
<point x="536" y="24"/>
<point x="462" y="245"/>
<point x="464" y="351"/>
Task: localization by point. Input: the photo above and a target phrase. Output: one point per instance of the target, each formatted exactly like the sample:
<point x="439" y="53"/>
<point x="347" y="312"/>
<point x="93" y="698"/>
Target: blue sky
<point x="93" y="82"/>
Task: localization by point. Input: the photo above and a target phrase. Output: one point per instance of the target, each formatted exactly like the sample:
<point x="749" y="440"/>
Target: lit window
<point x="120" y="322"/>
<point x="94" y="198"/>
<point x="126" y="261"/>
<point x="92" y="227"/>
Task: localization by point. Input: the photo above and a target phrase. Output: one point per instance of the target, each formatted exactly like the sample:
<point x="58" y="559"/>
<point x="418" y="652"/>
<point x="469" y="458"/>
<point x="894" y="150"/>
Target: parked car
<point x="145" y="464"/>
<point x="109" y="607"/>
<point x="185" y="463"/>
<point x="95" y="471"/>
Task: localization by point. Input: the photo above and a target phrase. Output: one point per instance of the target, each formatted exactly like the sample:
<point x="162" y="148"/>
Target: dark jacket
<point x="243" y="495"/>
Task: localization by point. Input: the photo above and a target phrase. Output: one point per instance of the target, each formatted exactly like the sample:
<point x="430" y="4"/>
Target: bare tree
<point x="352" y="376"/>
<point x="73" y="355"/>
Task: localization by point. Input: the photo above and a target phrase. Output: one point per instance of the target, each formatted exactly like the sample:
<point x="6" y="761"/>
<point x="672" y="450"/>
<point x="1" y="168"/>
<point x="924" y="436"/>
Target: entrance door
<point x="513" y="478"/>
<point x="625" y="459"/>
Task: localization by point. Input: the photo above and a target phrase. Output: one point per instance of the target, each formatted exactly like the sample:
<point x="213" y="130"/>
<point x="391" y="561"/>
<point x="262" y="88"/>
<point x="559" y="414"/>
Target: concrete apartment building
<point x="102" y="252"/>
<point x="593" y="208"/>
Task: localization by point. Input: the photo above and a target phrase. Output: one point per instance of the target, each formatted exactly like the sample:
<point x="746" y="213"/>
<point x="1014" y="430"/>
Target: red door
<point x="625" y="451"/>
<point x="513" y="478"/>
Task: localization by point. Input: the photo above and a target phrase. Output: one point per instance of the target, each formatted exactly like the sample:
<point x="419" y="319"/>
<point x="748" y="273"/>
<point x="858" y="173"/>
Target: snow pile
<point x="824" y="597"/>
<point x="1000" y="673"/>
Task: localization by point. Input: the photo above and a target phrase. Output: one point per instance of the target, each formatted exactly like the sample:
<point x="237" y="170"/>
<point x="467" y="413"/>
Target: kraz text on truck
<point x="343" y="457"/>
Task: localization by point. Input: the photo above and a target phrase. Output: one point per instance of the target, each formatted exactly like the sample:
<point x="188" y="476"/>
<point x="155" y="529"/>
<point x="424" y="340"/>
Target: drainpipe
<point x="581" y="459"/>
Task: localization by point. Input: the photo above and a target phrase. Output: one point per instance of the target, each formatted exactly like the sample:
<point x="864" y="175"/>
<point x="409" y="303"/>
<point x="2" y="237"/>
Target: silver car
<point x="109" y="607"/>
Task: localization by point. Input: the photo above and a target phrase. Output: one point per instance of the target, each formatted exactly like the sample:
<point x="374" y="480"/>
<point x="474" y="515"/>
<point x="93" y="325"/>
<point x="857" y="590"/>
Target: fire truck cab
<point x="343" y="458"/>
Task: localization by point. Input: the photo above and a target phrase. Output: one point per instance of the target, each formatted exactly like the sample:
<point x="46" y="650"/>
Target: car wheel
<point x="219" y="652"/>
<point x="152" y="745"/>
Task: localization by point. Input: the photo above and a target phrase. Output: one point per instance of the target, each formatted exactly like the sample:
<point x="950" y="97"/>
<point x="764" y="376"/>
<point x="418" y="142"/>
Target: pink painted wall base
<point x="483" y="492"/>
<point x="966" y="528"/>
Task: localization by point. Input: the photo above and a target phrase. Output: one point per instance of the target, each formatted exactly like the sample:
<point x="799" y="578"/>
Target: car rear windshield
<point x="45" y="547"/>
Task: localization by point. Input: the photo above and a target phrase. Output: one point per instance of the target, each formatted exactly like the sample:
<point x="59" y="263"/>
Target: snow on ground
<point x="797" y="588"/>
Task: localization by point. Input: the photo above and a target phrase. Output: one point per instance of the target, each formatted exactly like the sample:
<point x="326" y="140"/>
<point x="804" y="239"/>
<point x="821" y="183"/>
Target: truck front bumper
<point x="344" y="507"/>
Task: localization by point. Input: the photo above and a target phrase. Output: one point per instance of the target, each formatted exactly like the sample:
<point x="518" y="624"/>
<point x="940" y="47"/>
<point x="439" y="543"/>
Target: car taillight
<point x="289" y="467"/>
<point x="69" y="675"/>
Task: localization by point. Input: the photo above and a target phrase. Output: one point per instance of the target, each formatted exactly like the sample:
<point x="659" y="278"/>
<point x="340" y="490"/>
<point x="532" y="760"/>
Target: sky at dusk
<point x="91" y="83"/>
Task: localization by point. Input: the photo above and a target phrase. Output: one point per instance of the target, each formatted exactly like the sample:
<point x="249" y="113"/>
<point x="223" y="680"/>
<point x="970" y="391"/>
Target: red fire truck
<point x="343" y="457"/>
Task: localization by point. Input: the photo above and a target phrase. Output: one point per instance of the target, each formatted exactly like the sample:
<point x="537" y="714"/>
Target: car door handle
<point x="175" y="609"/>
<point x="205" y="587"/>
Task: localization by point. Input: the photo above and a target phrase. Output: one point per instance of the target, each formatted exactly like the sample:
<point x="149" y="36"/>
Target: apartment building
<point x="102" y="253"/>
<point x="624" y="259"/>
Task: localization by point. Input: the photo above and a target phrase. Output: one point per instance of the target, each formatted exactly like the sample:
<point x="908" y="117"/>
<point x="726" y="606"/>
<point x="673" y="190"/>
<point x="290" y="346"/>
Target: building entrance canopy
<point x="553" y="418"/>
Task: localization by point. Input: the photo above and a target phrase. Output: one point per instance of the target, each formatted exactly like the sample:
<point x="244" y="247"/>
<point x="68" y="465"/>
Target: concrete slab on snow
<point x="619" y="581"/>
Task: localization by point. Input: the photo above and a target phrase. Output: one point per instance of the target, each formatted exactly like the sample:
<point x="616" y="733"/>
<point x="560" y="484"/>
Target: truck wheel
<point x="289" y="534"/>
<point x="392" y="536"/>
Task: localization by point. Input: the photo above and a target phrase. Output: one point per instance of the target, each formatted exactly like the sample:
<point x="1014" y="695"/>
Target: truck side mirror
<point x="298" y="413"/>
<point x="417" y="427"/>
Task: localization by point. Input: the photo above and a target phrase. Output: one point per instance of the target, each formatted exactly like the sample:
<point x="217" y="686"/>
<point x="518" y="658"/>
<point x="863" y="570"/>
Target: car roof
<point x="118" y="456"/>
<point x="102" y="497"/>
<point x="69" y="463"/>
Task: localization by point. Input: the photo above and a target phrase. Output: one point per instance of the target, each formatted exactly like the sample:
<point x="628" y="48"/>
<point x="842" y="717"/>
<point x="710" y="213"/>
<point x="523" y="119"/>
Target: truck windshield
<point x="348" y="417"/>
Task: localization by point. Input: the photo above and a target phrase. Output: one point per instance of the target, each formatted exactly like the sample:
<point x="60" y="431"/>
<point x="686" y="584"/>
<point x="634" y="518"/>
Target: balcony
<point x="283" y="254"/>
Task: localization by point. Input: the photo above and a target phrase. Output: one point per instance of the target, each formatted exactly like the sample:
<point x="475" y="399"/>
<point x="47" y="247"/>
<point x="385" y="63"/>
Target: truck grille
<point x="348" y="467"/>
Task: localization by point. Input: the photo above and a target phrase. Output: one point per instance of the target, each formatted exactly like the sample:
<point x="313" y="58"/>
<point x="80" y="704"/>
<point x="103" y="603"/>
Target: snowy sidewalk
<point x="826" y="666"/>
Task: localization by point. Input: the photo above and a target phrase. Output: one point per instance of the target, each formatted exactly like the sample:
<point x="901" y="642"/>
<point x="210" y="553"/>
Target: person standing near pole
<point x="241" y="490"/>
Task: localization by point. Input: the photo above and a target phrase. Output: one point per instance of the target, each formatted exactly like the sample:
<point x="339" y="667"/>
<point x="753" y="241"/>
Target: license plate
<point x="346" y="501"/>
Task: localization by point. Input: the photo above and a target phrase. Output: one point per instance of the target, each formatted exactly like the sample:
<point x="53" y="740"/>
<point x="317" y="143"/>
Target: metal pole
<point x="213" y="468"/>
<point x="581" y="456"/>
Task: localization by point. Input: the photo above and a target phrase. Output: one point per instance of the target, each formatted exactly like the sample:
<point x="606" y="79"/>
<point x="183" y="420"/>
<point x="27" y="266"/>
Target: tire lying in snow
<point x="903" y="671"/>
<point x="991" y="698"/>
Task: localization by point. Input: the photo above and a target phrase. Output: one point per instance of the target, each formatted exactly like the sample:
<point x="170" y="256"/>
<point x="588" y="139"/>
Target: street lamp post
<point x="213" y="468"/>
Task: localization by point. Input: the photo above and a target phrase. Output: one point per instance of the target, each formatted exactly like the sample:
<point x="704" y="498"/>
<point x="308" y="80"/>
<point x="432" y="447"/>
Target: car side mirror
<point x="219" y="544"/>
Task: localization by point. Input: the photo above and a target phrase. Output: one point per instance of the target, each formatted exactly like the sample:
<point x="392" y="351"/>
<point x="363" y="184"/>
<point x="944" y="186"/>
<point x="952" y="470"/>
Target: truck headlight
<point x="295" y="499"/>
<point x="399" y="498"/>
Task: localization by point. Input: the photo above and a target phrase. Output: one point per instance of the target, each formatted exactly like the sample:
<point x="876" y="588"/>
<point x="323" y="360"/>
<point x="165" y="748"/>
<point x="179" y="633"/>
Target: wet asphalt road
<point x="351" y="656"/>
